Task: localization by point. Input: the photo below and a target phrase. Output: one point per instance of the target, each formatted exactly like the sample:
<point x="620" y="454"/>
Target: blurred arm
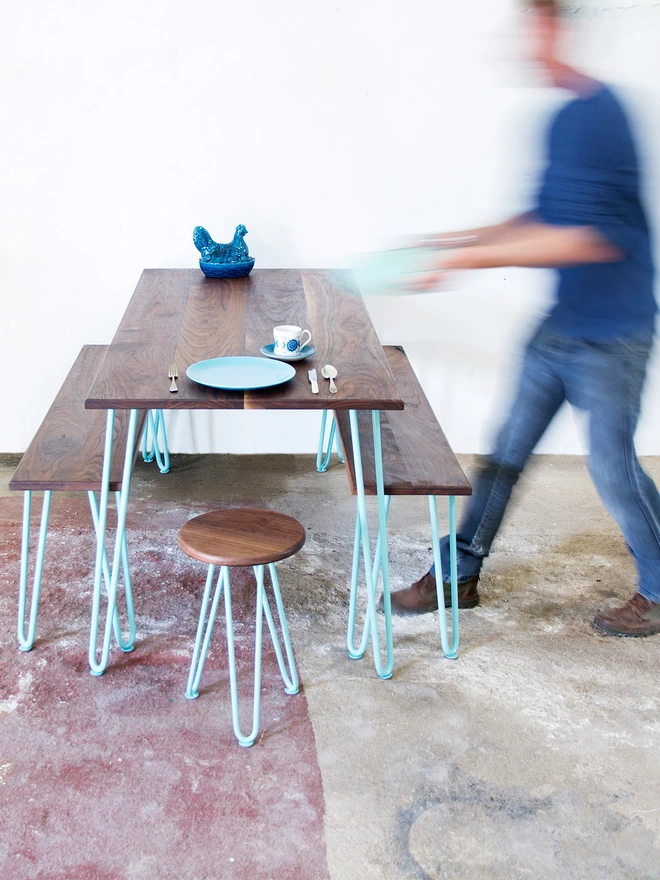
<point x="535" y="245"/>
<point x="471" y="237"/>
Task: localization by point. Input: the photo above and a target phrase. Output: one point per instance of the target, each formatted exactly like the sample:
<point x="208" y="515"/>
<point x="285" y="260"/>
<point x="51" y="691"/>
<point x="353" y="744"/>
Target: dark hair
<point x="552" y="7"/>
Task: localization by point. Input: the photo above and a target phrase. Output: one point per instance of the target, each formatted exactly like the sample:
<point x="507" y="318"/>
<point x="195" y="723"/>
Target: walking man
<point x="593" y="347"/>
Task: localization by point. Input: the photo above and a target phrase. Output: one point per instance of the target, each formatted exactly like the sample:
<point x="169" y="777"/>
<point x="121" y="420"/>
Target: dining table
<point x="179" y="316"/>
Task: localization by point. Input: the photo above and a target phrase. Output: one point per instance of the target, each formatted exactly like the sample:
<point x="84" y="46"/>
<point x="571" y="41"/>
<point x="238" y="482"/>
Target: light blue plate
<point x="240" y="373"/>
<point x="305" y="352"/>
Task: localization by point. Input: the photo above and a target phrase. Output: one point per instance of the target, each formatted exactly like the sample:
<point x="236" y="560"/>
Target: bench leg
<point x="154" y="440"/>
<point x="322" y="461"/>
<point x="26" y="641"/>
<point x="98" y="666"/>
<point x="353" y="652"/>
<point x="383" y="670"/>
<point x="451" y="651"/>
<point x="129" y="643"/>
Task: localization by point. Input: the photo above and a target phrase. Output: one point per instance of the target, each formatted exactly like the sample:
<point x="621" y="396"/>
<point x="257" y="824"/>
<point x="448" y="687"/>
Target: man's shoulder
<point x="602" y="103"/>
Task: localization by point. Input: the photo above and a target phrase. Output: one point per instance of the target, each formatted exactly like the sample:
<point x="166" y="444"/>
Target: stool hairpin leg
<point x="290" y="677"/>
<point x="384" y="671"/>
<point x="204" y="631"/>
<point x="129" y="643"/>
<point x="97" y="667"/>
<point x="231" y="654"/>
<point x="25" y="642"/>
<point x="353" y="652"/>
<point x="451" y="651"/>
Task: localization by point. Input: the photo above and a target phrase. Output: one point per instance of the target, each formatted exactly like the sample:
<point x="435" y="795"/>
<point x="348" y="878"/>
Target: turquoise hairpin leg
<point x="323" y="455"/>
<point x="451" y="651"/>
<point x="98" y="666"/>
<point x="204" y="631"/>
<point x="233" y="683"/>
<point x="154" y="440"/>
<point x="129" y="643"/>
<point x="203" y="638"/>
<point x="290" y="677"/>
<point x="26" y="640"/>
<point x="353" y="652"/>
<point x="383" y="670"/>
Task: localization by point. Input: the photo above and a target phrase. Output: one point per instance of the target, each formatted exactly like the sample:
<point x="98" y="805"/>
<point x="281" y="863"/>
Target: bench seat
<point x="66" y="454"/>
<point x="417" y="459"/>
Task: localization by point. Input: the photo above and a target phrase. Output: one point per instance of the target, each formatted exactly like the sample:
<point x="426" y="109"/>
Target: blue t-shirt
<point x="592" y="179"/>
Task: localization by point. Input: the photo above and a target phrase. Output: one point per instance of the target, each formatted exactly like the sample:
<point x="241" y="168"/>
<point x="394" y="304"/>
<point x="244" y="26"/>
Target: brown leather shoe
<point x="637" y="618"/>
<point x="422" y="596"/>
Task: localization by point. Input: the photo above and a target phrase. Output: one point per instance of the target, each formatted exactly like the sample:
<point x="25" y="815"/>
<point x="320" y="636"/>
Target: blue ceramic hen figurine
<point x="230" y="260"/>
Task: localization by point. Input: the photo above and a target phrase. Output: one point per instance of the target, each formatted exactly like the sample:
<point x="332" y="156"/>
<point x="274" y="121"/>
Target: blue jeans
<point x="605" y="380"/>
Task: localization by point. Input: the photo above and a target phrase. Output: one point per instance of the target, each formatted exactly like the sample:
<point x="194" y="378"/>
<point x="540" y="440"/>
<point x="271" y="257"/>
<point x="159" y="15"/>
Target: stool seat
<point x="241" y="536"/>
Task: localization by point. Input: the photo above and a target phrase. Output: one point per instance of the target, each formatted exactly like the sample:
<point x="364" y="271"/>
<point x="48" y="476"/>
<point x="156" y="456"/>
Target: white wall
<point x="325" y="127"/>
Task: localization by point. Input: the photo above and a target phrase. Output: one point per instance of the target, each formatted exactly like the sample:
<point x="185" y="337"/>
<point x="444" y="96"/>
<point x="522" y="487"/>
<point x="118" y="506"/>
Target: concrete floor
<point x="535" y="754"/>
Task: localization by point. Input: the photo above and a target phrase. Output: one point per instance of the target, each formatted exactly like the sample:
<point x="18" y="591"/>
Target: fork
<point x="173" y="374"/>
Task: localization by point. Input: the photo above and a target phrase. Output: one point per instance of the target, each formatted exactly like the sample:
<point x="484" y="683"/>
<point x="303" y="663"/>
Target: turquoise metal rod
<point x="353" y="652"/>
<point x="383" y="670"/>
<point x="322" y="461"/>
<point x="198" y="660"/>
<point x="128" y="644"/>
<point x="148" y="444"/>
<point x="233" y="684"/>
<point x="290" y="677"/>
<point x="154" y="440"/>
<point x="449" y="650"/>
<point x="381" y="546"/>
<point x="98" y="667"/>
<point x="26" y="641"/>
<point x="203" y="638"/>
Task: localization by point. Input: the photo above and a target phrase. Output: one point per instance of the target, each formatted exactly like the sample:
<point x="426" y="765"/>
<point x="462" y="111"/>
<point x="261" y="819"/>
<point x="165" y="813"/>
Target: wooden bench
<point x="417" y="460"/>
<point x="66" y="454"/>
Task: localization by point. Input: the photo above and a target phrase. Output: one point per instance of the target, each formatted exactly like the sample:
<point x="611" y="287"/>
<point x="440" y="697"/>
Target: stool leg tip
<point x="291" y="691"/>
<point x="192" y="695"/>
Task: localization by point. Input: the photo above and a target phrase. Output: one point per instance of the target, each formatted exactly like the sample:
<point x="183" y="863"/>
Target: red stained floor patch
<point x="120" y="777"/>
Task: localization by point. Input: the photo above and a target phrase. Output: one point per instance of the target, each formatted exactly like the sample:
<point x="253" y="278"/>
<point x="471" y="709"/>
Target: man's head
<point x="543" y="24"/>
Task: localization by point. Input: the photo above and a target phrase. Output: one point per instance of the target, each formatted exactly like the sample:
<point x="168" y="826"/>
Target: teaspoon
<point x="329" y="372"/>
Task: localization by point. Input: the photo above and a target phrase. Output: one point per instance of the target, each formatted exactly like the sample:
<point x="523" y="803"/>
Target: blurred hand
<point x="423" y="282"/>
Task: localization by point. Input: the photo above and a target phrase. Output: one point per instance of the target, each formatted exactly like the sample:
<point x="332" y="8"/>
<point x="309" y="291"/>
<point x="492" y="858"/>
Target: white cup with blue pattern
<point x="288" y="340"/>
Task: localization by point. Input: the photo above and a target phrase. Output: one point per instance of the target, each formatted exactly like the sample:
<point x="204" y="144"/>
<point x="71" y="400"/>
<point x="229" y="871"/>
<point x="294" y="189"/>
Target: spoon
<point x="329" y="372"/>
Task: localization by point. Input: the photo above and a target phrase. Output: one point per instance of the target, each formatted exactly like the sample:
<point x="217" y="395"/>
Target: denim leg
<point x="610" y="391"/>
<point x="540" y="394"/>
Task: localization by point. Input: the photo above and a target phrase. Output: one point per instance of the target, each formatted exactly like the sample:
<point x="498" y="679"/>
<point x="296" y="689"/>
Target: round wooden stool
<point x="242" y="537"/>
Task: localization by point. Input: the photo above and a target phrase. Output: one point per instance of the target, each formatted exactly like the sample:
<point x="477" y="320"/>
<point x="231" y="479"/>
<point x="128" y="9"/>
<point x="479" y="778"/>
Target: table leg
<point x="98" y="666"/>
<point x="129" y="643"/>
<point x="154" y="440"/>
<point x="451" y="651"/>
<point x="353" y="652"/>
<point x="322" y="461"/>
<point x="370" y="568"/>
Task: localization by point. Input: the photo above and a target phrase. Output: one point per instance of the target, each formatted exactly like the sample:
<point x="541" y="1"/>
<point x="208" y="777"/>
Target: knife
<point x="312" y="378"/>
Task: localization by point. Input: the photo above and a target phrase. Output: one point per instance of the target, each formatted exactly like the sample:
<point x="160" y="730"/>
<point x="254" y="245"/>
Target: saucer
<point x="305" y="352"/>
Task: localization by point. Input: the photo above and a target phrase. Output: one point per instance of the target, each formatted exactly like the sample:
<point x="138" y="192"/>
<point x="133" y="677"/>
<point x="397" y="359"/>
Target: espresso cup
<point x="288" y="339"/>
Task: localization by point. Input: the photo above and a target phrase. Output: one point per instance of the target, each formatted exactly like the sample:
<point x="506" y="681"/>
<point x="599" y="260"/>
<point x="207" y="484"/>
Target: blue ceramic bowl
<point x="226" y="270"/>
